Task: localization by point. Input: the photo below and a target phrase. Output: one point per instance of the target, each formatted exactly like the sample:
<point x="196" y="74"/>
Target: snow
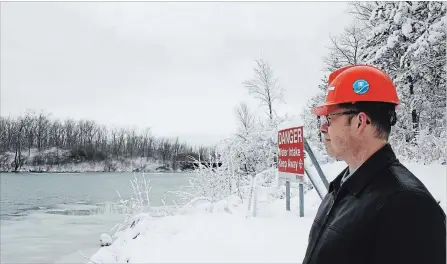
<point x="435" y="36"/>
<point x="379" y="29"/>
<point x="431" y="37"/>
<point x="292" y="121"/>
<point x="392" y="41"/>
<point x="209" y="237"/>
<point x="105" y="240"/>
<point x="404" y="8"/>
<point x="398" y="18"/>
<point x="407" y="29"/>
<point x="198" y="235"/>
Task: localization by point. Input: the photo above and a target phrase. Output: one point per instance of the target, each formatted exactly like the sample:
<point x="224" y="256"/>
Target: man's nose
<point x="323" y="128"/>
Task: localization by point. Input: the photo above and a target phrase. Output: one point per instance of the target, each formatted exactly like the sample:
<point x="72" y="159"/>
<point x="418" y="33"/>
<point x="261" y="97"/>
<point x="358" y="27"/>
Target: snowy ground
<point x="228" y="235"/>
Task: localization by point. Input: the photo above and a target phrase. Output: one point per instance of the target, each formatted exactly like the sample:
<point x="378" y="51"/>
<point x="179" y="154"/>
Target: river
<point x="50" y="218"/>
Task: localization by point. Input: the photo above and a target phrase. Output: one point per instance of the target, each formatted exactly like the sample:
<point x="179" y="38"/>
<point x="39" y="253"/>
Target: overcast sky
<point x="174" y="67"/>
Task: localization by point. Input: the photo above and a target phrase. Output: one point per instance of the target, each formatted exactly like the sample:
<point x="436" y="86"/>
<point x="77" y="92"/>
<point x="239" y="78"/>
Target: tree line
<point x="84" y="141"/>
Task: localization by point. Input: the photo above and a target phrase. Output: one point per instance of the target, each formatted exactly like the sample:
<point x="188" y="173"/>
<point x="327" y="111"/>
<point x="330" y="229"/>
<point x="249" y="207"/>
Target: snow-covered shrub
<point x="105" y="240"/>
<point x="211" y="183"/>
<point x="6" y="160"/>
<point x="250" y="152"/>
<point x="136" y="206"/>
<point x="110" y="165"/>
<point x="425" y="148"/>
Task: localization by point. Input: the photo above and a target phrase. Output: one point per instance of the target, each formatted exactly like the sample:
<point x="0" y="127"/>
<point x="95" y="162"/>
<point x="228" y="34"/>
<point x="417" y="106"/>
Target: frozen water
<point x="47" y="218"/>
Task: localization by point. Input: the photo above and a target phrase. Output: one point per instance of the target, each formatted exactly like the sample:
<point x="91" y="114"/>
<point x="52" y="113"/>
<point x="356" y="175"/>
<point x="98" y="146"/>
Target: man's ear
<point x="362" y="117"/>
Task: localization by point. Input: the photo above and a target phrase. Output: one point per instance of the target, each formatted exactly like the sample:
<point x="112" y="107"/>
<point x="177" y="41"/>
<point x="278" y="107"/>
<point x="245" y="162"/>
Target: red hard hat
<point x="358" y="83"/>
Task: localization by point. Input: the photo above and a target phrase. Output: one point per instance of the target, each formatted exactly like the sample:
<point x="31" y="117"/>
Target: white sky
<point x="174" y="67"/>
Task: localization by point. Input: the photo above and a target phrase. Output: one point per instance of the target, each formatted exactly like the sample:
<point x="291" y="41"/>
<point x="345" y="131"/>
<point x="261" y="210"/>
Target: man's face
<point x="338" y="136"/>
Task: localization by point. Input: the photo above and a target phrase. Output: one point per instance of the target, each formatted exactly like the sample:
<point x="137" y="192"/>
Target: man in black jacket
<point x="376" y="210"/>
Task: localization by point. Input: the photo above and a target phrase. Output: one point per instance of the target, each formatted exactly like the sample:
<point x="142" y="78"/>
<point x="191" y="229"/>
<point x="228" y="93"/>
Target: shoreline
<point x="79" y="172"/>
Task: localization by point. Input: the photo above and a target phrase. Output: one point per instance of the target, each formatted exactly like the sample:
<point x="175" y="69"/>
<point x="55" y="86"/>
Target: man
<point x="376" y="210"/>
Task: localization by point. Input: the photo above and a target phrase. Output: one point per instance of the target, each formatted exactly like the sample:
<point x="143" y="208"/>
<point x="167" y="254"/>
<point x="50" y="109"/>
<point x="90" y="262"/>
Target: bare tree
<point x="264" y="86"/>
<point x="4" y="124"/>
<point x="55" y="134"/>
<point x="70" y="133"/>
<point x="150" y="146"/>
<point x="243" y="116"/>
<point x="345" y="49"/>
<point x="42" y="131"/>
<point x="20" y="127"/>
<point x="164" y="150"/>
<point x="204" y="153"/>
<point x="177" y="148"/>
<point x="90" y="131"/>
<point x="30" y="130"/>
<point x="145" y="142"/>
<point x="362" y="11"/>
<point x="131" y="142"/>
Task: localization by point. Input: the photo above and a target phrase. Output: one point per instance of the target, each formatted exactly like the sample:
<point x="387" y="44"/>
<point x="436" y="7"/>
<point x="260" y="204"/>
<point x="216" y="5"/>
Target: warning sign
<point x="291" y="150"/>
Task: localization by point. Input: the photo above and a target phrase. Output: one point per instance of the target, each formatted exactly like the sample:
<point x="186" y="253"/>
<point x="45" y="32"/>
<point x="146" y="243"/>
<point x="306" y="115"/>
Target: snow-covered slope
<point x="228" y="235"/>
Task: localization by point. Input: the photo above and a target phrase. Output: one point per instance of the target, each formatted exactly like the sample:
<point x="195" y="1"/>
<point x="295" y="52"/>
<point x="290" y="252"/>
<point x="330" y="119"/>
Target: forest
<point x="40" y="143"/>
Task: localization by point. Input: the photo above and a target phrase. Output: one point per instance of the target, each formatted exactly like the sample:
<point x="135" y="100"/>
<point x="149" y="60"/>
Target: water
<point x="48" y="218"/>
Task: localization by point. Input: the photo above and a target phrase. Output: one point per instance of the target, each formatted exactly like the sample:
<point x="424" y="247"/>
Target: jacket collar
<point x="366" y="172"/>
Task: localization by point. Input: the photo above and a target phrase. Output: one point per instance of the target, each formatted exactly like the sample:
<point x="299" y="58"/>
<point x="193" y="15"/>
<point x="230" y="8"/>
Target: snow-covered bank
<point x="226" y="234"/>
<point x="59" y="161"/>
<point x="102" y="166"/>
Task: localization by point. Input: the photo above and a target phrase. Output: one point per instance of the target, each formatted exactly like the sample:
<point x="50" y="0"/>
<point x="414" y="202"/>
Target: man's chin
<point x="333" y="155"/>
<point x="329" y="150"/>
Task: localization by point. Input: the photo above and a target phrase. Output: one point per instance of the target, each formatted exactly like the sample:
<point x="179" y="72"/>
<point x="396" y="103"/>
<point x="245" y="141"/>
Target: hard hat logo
<point x="330" y="89"/>
<point x="361" y="86"/>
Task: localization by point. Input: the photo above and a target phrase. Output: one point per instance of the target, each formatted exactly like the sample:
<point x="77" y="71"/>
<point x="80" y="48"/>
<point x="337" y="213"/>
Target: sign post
<point x="287" y="195"/>
<point x="317" y="166"/>
<point x="301" y="199"/>
<point x="291" y="161"/>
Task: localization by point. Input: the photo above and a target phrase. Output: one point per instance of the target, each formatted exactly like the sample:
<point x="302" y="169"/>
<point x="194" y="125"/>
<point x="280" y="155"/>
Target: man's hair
<point x="382" y="115"/>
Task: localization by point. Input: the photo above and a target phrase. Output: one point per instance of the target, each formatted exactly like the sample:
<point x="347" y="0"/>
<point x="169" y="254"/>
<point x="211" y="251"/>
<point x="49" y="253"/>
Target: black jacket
<point x="382" y="214"/>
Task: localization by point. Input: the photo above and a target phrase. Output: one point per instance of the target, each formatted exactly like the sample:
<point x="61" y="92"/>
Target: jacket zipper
<point x="322" y="228"/>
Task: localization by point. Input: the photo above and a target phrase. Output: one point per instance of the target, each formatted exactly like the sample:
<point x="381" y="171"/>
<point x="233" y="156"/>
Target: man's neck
<point x="362" y="154"/>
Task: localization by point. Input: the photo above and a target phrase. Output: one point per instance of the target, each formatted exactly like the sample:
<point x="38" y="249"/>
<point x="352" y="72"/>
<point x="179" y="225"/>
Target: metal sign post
<point x="292" y="164"/>
<point x="301" y="192"/>
<point x="315" y="163"/>
<point x="287" y="195"/>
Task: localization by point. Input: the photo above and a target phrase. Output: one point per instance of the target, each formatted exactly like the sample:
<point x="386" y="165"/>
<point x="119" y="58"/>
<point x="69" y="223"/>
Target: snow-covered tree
<point x="265" y="87"/>
<point x="424" y="63"/>
<point x="362" y="12"/>
<point x="408" y="42"/>
<point x="244" y="118"/>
